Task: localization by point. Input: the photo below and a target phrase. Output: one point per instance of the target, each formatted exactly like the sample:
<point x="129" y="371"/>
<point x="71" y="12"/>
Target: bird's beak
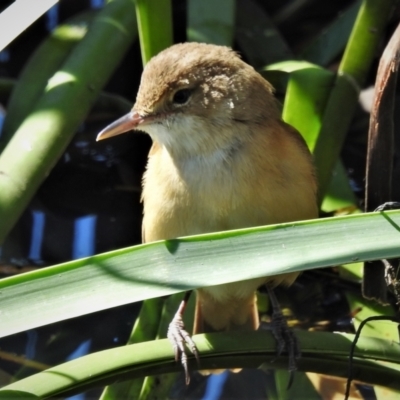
<point x="124" y="124"/>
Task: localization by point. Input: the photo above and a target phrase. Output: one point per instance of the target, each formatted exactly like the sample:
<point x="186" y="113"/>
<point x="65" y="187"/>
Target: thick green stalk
<point x="375" y="361"/>
<point x="154" y="19"/>
<point x="159" y="386"/>
<point x="43" y="136"/>
<point x="145" y="329"/>
<point x="46" y="60"/>
<point x="359" y="54"/>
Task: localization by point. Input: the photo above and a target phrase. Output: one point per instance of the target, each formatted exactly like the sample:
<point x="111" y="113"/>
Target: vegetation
<point x="320" y="81"/>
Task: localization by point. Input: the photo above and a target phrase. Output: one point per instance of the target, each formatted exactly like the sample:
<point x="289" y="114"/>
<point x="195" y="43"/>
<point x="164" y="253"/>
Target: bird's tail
<point x="239" y="314"/>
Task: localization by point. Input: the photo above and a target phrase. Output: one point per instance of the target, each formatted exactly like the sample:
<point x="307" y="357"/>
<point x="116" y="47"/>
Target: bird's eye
<point x="182" y="96"/>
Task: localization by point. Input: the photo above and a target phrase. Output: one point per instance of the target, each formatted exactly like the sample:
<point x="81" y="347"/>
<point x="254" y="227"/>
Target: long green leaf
<point x="306" y="96"/>
<point x="155" y="26"/>
<point x="307" y="92"/>
<point x="161" y="268"/>
<point x="376" y="361"/>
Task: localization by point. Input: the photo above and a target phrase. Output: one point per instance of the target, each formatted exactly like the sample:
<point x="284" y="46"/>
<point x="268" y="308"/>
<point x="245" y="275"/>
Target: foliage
<point x="318" y="102"/>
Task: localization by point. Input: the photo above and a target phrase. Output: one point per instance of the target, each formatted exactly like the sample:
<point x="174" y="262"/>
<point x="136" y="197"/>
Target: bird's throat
<point x="208" y="164"/>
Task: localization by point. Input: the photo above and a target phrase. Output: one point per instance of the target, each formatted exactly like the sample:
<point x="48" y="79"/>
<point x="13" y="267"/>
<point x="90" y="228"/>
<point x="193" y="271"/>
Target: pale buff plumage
<point x="222" y="160"/>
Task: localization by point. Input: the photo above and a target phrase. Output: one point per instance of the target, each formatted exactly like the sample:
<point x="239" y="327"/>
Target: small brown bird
<point x="222" y="158"/>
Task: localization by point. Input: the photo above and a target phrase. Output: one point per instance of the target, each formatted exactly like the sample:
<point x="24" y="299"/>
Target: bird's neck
<point x="209" y="161"/>
<point x="195" y="149"/>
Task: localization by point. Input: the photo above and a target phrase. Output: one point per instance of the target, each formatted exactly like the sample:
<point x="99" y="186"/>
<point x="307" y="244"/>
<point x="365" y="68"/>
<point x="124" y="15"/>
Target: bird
<point x="222" y="158"/>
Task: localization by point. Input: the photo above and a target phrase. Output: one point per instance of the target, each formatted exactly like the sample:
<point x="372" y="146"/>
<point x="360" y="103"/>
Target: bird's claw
<point x="284" y="336"/>
<point x="286" y="340"/>
<point x="178" y="337"/>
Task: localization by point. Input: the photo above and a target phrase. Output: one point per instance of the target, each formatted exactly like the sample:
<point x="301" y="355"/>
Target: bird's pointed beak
<point x="124" y="124"/>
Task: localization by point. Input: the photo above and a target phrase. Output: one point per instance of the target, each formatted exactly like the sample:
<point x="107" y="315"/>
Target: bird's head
<point x="193" y="95"/>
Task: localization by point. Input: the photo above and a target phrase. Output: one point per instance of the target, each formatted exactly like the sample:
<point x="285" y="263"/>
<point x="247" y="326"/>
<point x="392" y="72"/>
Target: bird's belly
<point x="243" y="289"/>
<point x="181" y="211"/>
<point x="235" y="290"/>
<point x="169" y="221"/>
<point x="203" y="197"/>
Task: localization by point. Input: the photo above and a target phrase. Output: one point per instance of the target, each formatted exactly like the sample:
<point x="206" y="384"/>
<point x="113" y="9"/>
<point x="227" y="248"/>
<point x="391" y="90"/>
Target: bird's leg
<point x="377" y="277"/>
<point x="284" y="336"/>
<point x="178" y="336"/>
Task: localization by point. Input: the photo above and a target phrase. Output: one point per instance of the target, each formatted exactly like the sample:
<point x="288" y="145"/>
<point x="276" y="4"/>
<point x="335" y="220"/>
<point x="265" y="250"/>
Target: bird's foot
<point x="178" y="336"/>
<point x="284" y="336"/>
<point x="286" y="339"/>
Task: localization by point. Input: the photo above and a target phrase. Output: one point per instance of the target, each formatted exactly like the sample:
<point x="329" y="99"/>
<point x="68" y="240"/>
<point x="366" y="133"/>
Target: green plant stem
<point x="154" y="19"/>
<point x="145" y="329"/>
<point x="43" y="136"/>
<point x="158" y="386"/>
<point x="367" y="32"/>
<point x="376" y="361"/>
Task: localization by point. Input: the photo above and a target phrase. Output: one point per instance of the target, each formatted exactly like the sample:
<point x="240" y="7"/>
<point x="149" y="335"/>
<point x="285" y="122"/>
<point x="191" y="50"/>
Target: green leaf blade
<point x="161" y="268"/>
